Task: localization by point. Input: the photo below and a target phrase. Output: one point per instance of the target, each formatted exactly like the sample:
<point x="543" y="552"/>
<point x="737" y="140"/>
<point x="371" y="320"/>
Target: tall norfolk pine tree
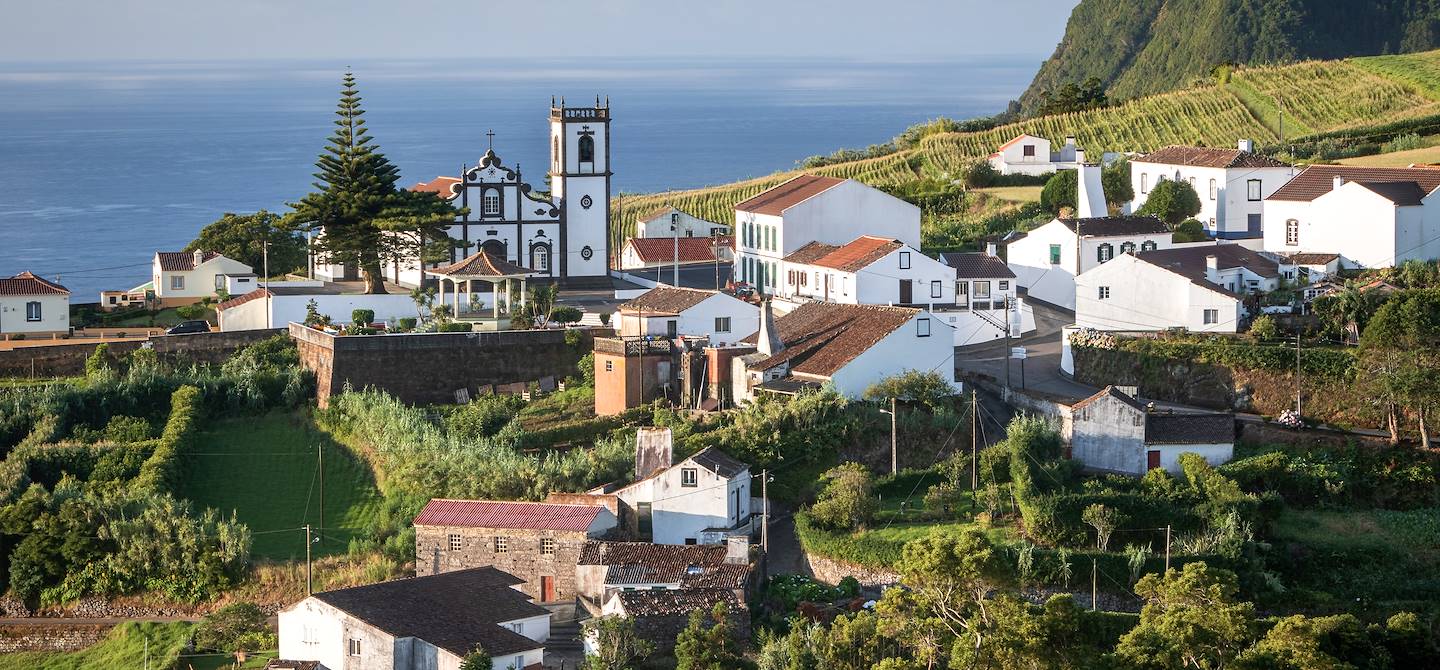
<point x="363" y="218"/>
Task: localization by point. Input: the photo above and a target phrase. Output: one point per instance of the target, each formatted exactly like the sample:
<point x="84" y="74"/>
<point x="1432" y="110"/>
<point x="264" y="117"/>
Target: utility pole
<point x="309" y="583"/>
<point x="265" y="269"/>
<point x="675" y="236"/>
<point x="1299" y="409"/>
<point x="894" y="449"/>
<point x="320" y="452"/>
<point x="1007" y="338"/>
<point x="1167" y="547"/>
<point x="765" y="511"/>
<point x="974" y="446"/>
<point x="1094" y="585"/>
<point x="715" y="251"/>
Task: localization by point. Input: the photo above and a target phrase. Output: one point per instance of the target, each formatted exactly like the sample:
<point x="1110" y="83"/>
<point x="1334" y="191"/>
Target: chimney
<point x="1079" y="156"/>
<point x="1212" y="269"/>
<point x="990" y="249"/>
<point x="652" y="451"/>
<point x="737" y="550"/>
<point x="1069" y="140"/>
<point x="199" y="257"/>
<point x="1248" y="146"/>
<point x="767" y="341"/>
<point x="1090" y="202"/>
<point x="1338" y="182"/>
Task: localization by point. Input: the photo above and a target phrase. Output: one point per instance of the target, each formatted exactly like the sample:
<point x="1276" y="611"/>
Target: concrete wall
<point x="428" y="368"/>
<point x="679" y="513"/>
<point x="1109" y="435"/>
<point x="1328" y="225"/>
<point x="1143" y="296"/>
<point x="697" y="321"/>
<point x="291" y="308"/>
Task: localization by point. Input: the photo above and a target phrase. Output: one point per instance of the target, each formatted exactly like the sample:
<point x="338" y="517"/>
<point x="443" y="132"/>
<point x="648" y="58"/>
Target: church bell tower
<point x="580" y="182"/>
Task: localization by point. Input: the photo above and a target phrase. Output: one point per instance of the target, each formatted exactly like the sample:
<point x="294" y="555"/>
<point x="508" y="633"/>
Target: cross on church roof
<point x="491" y="134"/>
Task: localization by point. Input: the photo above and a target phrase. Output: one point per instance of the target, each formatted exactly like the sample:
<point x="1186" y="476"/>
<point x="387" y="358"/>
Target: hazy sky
<point x="370" y="29"/>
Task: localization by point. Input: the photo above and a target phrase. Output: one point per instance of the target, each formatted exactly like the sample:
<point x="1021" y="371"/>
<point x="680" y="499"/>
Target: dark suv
<point x="188" y="327"/>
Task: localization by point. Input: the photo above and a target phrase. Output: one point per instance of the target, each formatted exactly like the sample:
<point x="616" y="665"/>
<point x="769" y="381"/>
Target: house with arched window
<point x="1232" y="184"/>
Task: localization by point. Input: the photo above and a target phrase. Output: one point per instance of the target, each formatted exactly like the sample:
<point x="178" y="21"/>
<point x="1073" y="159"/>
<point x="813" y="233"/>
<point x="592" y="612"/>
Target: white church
<point x="561" y="235"/>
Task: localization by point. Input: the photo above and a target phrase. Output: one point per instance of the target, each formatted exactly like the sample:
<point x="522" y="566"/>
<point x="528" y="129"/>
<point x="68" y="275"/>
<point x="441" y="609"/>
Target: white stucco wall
<point x="199" y="282"/>
<point x="690" y="226"/>
<point x="903" y="349"/>
<point x="54" y="314"/>
<point x="1225" y="211"/>
<point x="698" y="321"/>
<point x="288" y="308"/>
<point x="680" y="512"/>
<point x="1145" y="297"/>
<point x="1366" y="229"/>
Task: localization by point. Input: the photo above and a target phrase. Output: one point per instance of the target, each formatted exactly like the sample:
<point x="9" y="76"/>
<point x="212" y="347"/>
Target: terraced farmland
<point x="1420" y="70"/>
<point x="1325" y="95"/>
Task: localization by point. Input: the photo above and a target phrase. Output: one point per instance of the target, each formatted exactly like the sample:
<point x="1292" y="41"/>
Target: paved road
<point x="784" y="556"/>
<point x="1041" y="368"/>
<point x="691" y="276"/>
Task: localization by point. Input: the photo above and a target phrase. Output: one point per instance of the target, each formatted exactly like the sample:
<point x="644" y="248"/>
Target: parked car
<point x="744" y="290"/>
<point x="188" y="327"/>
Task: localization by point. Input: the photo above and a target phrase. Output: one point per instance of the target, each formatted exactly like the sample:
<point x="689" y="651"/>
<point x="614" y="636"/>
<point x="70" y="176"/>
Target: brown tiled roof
<point x="662" y="249"/>
<point x="26" y="283"/>
<point x="442" y="609"/>
<point x="181" y="261"/>
<point x="676" y="602"/>
<point x="507" y="514"/>
<point x="821" y="338"/>
<point x="776" y="200"/>
<point x="1309" y="258"/>
<point x="1208" y="157"/>
<point x="482" y="264"/>
<point x="666" y="300"/>
<point x="977" y="265"/>
<point x="858" y="253"/>
<point x="1317" y="180"/>
<point x="1116" y="226"/>
<point x="1403" y="193"/>
<point x="1176" y="428"/>
<point x="441" y="186"/>
<point x="1190" y="261"/>
<point x="691" y="566"/>
<point x="240" y="300"/>
<point x="811" y="252"/>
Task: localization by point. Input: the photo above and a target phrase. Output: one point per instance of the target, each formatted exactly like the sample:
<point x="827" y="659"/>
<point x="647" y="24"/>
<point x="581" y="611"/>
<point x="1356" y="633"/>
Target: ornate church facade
<point x="563" y="235"/>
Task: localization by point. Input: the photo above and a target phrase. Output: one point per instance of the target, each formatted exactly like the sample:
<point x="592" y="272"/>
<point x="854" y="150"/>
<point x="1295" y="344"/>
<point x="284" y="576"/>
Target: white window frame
<point x="490" y="202"/>
<point x="935" y="288"/>
<point x="353" y="649"/>
<point x="547" y="546"/>
<point x="1210" y="316"/>
<point x="1056" y="252"/>
<point x="1214" y="189"/>
<point x="34" y="311"/>
<point x="980" y="290"/>
<point x="1104" y="292"/>
<point x="689" y="477"/>
<point x="1292" y="233"/>
<point x="722" y="324"/>
<point x="1004" y="285"/>
<point x="1144" y="183"/>
<point x="501" y="545"/>
<point x="1253" y="190"/>
<point x="177" y="282"/>
<point x="904" y="260"/>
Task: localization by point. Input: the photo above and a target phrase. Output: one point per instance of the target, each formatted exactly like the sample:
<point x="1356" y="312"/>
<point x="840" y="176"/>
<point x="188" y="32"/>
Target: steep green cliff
<point x="1139" y="47"/>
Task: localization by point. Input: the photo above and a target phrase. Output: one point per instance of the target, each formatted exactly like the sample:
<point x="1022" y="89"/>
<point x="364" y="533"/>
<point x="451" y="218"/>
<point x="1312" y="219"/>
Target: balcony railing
<point x="633" y="346"/>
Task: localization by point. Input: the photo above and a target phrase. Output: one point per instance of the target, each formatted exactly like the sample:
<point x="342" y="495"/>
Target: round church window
<point x="586" y="202"/>
<point x="587" y="253"/>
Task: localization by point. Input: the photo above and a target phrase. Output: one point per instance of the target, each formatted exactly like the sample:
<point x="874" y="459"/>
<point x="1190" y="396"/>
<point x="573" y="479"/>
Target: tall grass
<point x="129" y="645"/>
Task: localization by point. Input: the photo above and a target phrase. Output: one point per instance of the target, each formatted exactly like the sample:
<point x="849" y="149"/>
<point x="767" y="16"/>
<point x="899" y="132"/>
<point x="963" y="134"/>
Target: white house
<point x="1305" y="269"/>
<point x="283" y="302"/>
<point x="422" y="623"/>
<point x="31" y="305"/>
<point x="1028" y="154"/>
<point x="184" y="277"/>
<point x="670" y="221"/>
<point x="1114" y="432"/>
<point x="1372" y="217"/>
<point x="986" y="301"/>
<point x="673" y="312"/>
<point x="1232" y="184"/>
<point x="1047" y="260"/>
<point x="811" y="208"/>
<point x="847" y="346"/>
<point x="1197" y="288"/>
<point x="653" y="252"/>
<point x="701" y="500"/>
<point x="868" y="270"/>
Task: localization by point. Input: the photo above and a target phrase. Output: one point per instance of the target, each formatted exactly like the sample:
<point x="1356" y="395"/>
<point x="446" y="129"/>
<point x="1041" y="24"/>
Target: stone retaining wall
<point x="68" y="359"/>
<point x="50" y="636"/>
<point x="831" y="571"/>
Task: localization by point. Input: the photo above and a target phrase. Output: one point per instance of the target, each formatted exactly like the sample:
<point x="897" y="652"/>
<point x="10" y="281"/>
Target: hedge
<point x="161" y="472"/>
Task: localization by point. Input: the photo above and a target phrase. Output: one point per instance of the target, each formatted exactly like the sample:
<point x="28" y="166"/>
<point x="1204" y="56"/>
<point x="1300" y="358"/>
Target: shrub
<point x="362" y="316"/>
<point x="456" y="327"/>
<point x="565" y="314"/>
<point x="1172" y="201"/>
<point x="847" y="501"/>
<point x="223" y="629"/>
<point x="190" y="312"/>
<point x="1406" y="142"/>
<point x="1189" y="230"/>
<point x="1265" y="328"/>
<point x="407" y="323"/>
<point x="127" y="429"/>
<point x="97" y="364"/>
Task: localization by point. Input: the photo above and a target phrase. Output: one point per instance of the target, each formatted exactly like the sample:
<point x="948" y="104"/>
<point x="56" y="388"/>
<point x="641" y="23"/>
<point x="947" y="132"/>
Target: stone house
<point x="539" y="543"/>
<point x="660" y="615"/>
<point x="607" y="568"/>
<point x="1114" y="432"/>
<point x="423" y="623"/>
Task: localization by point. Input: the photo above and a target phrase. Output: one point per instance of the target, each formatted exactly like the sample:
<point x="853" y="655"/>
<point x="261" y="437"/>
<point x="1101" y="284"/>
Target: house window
<point x="32" y="310"/>
<point x="1252" y="190"/>
<point x="1054" y="254"/>
<point x="491" y="202"/>
<point x="1104" y="292"/>
<point x="609" y="366"/>
<point x="1104" y="252"/>
<point x="1144" y="183"/>
<point x="354" y="647"/>
<point x="982" y="290"/>
<point x="935" y="288"/>
<point x="1212" y="316"/>
<point x="1292" y="233"/>
<point x="689" y="477"/>
<point x="672" y="328"/>
<point x="1149" y="245"/>
<point x="722" y="324"/>
<point x="904" y="260"/>
<point x="1127" y="247"/>
<point x="587" y="149"/>
<point x="547" y="546"/>
<point x="1029" y="151"/>
<point x="177" y="283"/>
<point x="922" y="327"/>
<point x="542" y="258"/>
<point x="517" y="627"/>
<point x="1004" y="286"/>
<point x="519" y="662"/>
<point x="454" y="542"/>
<point x="502" y="545"/>
<point x="1214" y="189"/>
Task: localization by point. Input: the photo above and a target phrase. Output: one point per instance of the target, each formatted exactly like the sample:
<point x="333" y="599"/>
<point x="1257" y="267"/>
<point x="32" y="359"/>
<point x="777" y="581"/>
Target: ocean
<point x="103" y="164"/>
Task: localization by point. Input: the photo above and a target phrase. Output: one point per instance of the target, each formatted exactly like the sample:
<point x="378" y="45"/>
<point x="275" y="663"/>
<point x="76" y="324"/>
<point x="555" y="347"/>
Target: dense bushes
<point x="1397" y="478"/>
<point x="161" y="472"/>
<point x="1334" y="364"/>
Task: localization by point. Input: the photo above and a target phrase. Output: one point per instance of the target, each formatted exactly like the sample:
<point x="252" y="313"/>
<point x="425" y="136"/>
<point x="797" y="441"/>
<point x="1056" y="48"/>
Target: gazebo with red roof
<point x="483" y="266"/>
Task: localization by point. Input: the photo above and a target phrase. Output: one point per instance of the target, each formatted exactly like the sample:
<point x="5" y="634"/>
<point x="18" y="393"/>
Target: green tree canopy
<point x="1189" y="230"/>
<point x="1190" y="620"/>
<point x="1072" y="97"/>
<point x="1172" y="201"/>
<point x="242" y="237"/>
<point x="912" y="386"/>
<point x="617" y="647"/>
<point x="1062" y="190"/>
<point x="708" y="643"/>
<point x="1400" y="356"/>
<point x="847" y="501"/>
<point x="363" y="218"/>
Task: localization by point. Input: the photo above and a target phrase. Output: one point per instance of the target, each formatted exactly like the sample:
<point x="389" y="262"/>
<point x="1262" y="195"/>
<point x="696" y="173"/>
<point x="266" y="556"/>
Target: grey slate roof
<point x="718" y="462"/>
<point x="676" y="602"/>
<point x="1403" y="193"/>
<point x="1166" y="428"/>
<point x="455" y="611"/>
<point x="977" y="265"/>
<point x="1115" y="226"/>
<point x="690" y="566"/>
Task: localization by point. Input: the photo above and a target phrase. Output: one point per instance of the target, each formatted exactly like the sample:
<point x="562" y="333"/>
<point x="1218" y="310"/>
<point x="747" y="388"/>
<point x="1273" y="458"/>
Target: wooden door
<point x="906" y="292"/>
<point x="547" y="589"/>
<point x="1152" y="459"/>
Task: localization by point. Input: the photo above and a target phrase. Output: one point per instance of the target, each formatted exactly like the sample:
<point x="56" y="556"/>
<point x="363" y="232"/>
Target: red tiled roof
<point x="481" y="264"/>
<point x="27" y="283"/>
<point x="181" y="261"/>
<point x="821" y="337"/>
<point x="662" y="249"/>
<point x="1210" y="157"/>
<point x="238" y="301"/>
<point x="1317" y="180"/>
<point x="776" y="200"/>
<point x="442" y="186"/>
<point x="811" y="252"/>
<point x="507" y="514"/>
<point x="858" y="253"/>
<point x="666" y="300"/>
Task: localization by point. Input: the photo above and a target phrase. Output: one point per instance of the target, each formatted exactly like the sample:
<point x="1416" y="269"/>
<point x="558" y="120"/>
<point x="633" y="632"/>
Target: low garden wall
<point x="67" y="358"/>
<point x="831" y="571"/>
<point x="50" y="636"/>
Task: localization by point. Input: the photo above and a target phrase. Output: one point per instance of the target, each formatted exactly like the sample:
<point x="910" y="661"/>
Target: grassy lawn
<point x="125" y="647"/>
<point x="1429" y="154"/>
<point x="1348" y="558"/>
<point x="264" y="469"/>
<point x="1014" y="193"/>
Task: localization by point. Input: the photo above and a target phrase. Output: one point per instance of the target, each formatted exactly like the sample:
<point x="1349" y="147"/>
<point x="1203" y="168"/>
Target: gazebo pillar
<point x="495" y="299"/>
<point x="455" y="312"/>
<point x="442" y="289"/>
